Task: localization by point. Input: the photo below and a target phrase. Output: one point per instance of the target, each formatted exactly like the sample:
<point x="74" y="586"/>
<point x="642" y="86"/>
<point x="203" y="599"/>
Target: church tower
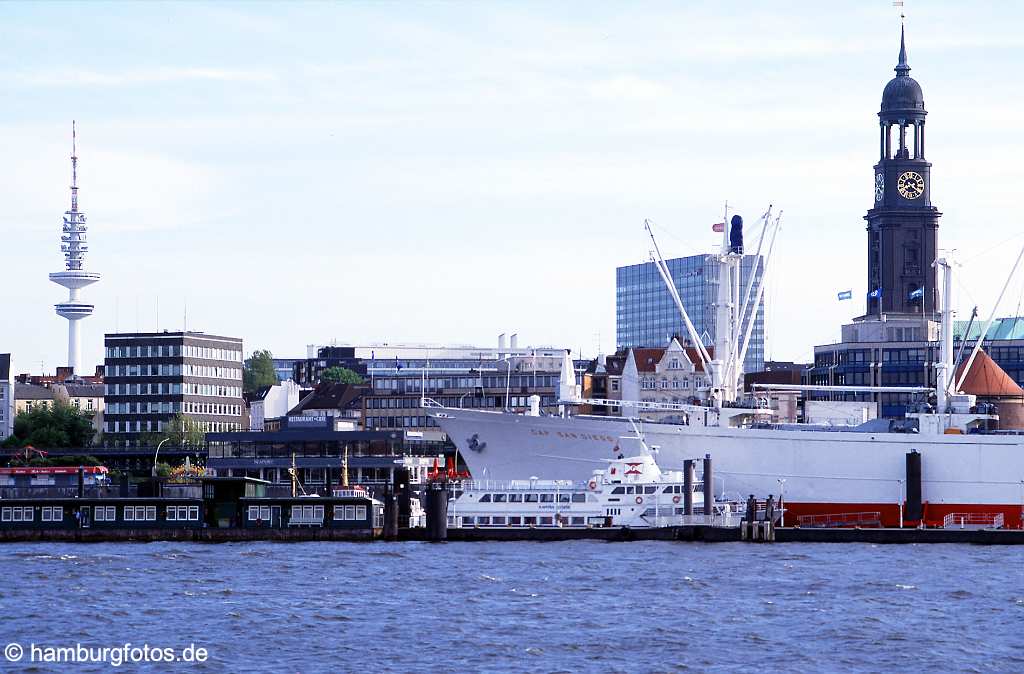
<point x="903" y="224"/>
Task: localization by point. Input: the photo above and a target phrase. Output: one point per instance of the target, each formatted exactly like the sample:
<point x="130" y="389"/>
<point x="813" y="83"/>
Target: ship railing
<point x="832" y="520"/>
<point x="521" y="485"/>
<point x="973" y="521"/>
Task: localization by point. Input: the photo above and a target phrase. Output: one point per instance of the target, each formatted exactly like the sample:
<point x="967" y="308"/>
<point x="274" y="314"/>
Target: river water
<point x="511" y="607"/>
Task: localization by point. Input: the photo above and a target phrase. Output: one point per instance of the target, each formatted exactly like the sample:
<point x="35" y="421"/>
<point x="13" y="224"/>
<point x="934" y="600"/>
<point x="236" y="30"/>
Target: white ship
<point x="819" y="471"/>
<point x="631" y="492"/>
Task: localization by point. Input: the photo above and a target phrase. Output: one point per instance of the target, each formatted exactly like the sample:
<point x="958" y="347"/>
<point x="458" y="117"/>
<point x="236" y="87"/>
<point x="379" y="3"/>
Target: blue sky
<point x="444" y="172"/>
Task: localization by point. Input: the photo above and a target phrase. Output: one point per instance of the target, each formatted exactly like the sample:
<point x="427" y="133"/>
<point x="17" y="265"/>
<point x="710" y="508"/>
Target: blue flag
<point x="846" y="295"/>
<point x="917" y="294"/>
<point x="877" y="292"/>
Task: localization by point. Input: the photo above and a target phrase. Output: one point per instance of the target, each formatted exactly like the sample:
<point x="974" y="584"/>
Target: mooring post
<point x="688" y="487"/>
<point x="709" y="490"/>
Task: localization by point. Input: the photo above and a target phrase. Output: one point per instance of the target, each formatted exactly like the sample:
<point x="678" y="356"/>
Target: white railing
<point x="973" y="521"/>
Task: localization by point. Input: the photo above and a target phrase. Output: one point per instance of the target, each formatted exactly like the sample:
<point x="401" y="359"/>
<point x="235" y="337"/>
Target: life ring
<point x="639" y="500"/>
<point x="675" y="499"/>
<point x="592" y="484"/>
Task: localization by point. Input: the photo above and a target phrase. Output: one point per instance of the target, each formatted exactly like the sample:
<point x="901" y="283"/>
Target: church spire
<point x="902" y="68"/>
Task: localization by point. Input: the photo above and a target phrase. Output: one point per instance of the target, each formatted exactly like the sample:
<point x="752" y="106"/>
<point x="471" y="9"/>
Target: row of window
<point x="167" y="407"/>
<point x="172" y="370"/>
<point x="650" y="383"/>
<point x="534" y="498"/>
<point x="400" y="422"/>
<point x="520" y="521"/>
<point x="158" y="425"/>
<point x="172" y="351"/>
<point x="26" y="514"/>
<point x="310" y="513"/>
<point x="173" y="388"/>
<point x="499" y="381"/>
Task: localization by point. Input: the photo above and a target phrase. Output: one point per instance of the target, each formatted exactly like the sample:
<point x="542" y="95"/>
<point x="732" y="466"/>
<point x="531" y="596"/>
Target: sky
<point x="442" y="172"/>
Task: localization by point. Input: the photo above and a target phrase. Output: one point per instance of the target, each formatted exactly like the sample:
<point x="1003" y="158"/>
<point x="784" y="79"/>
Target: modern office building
<point x="151" y="377"/>
<point x="646" y="316"/>
<point x="285" y="368"/>
<point x="906" y="357"/>
<point x="6" y="397"/>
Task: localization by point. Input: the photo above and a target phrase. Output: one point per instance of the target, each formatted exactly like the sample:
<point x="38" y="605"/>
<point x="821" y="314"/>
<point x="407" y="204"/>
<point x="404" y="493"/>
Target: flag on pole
<point x="718" y="227"/>
<point x="877" y="292"/>
<point x="846" y="295"/>
<point x="917" y="294"/>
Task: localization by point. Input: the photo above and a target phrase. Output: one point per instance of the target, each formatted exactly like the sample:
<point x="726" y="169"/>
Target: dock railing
<point x="833" y="520"/>
<point x="973" y="521"/>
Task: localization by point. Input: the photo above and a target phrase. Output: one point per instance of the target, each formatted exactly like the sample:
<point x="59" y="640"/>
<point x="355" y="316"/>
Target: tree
<point x="259" y="371"/>
<point x="340" y="375"/>
<point x="53" y="426"/>
<point x="182" y="431"/>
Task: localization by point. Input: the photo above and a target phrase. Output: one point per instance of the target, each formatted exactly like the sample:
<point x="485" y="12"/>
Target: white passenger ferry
<point x="631" y="492"/>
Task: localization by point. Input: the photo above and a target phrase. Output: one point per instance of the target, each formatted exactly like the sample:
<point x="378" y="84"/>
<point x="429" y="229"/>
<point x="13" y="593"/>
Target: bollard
<point x="913" y="510"/>
<point x="437" y="512"/>
<point x="709" y="490"/>
<point x="390" y="514"/>
<point x="688" y="487"/>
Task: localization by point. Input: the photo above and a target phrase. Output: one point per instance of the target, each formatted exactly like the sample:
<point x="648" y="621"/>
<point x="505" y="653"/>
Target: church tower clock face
<point x="910" y="185"/>
<point x="879" y="186"/>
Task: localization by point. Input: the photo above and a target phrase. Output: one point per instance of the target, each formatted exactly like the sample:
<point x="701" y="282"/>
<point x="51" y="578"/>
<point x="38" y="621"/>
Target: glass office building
<point x="645" y="314"/>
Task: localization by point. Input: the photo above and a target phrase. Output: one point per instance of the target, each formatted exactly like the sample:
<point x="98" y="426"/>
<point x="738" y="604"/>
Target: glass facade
<point x="645" y="314"/>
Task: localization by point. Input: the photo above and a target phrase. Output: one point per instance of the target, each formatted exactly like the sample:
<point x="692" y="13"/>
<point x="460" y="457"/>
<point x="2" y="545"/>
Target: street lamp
<point x="157" y="453"/>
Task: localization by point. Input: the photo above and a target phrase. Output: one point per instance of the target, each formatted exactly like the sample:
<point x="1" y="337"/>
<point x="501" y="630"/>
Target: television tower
<point x="74" y="246"/>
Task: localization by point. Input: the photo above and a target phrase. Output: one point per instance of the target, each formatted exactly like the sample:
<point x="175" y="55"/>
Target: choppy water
<point x="500" y="607"/>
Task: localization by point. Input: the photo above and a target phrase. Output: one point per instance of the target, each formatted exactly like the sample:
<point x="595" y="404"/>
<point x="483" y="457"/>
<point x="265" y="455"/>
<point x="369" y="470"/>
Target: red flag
<point x="718" y="227"/>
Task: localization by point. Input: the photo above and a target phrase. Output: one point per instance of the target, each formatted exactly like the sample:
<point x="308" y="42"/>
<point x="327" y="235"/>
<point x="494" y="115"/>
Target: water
<point x="530" y="607"/>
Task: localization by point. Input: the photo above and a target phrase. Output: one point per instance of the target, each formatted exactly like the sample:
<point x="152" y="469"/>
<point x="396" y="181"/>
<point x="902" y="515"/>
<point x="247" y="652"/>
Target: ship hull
<point x="818" y="472"/>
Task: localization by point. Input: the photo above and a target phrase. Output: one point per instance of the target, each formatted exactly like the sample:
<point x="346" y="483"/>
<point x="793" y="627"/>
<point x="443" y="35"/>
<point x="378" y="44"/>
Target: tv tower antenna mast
<point x="74" y="246"/>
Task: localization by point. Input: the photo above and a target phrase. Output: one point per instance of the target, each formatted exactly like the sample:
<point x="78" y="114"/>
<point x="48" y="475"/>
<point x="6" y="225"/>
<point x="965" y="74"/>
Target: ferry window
<point x="515" y="498"/>
<point x="5" y="516"/>
<point x="564" y="498"/>
<point x="350" y="512"/>
<point x="483" y="520"/>
<point x="579" y="498"/>
<point x="547" y="498"/>
<point x="498" y="520"/>
<point x="577" y="521"/>
<point x="619" y="490"/>
<point x="667" y="490"/>
<point x="530" y="498"/>
<point x="17" y="514"/>
<point x="545" y="521"/>
<point x="57" y="515"/>
<point x="172" y="513"/>
<point x="264" y="513"/>
<point x="193" y="513"/>
<point x="515" y="521"/>
<point x="499" y="498"/>
<point x="129" y="514"/>
<point x="468" y="520"/>
<point x="629" y="490"/>
<point x="529" y="521"/>
<point x="650" y="490"/>
<point x="111" y="513"/>
<point x="486" y="498"/>
<point x="46" y="514"/>
<point x="680" y="511"/>
<point x="151" y="513"/>
<point x="339" y="512"/>
<point x="361" y="513"/>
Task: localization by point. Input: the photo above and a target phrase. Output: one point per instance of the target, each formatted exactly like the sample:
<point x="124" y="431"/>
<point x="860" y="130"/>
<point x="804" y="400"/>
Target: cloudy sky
<point x="444" y="172"/>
